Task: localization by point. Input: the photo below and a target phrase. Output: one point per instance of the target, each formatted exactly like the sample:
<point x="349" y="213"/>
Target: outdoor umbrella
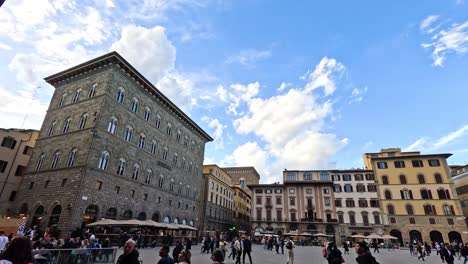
<point x="320" y="235"/>
<point x="305" y="234"/>
<point x="374" y="236"/>
<point x="389" y="237"/>
<point x="358" y="236"/>
<point x="104" y="222"/>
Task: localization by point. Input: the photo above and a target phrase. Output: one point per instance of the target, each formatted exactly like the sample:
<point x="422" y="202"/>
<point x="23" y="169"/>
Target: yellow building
<point x="461" y="186"/>
<point x="417" y="195"/>
<point x="242" y="208"/>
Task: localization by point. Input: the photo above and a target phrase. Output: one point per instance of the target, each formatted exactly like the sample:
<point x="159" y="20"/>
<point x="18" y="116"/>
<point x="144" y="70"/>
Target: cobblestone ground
<point x="303" y="255"/>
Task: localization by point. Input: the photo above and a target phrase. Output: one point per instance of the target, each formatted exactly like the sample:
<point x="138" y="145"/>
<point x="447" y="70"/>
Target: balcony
<point x="268" y="205"/>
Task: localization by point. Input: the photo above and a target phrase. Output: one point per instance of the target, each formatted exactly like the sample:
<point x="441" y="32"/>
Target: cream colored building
<point x="242" y="208"/>
<point x="417" y="195"/>
<point x="15" y="151"/>
<point x="460" y="182"/>
<point x="217" y="201"/>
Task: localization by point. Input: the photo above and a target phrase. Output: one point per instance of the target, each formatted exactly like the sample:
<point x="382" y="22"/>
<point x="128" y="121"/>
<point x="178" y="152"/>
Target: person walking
<point x="437" y="247"/>
<point x="130" y="254"/>
<point x="184" y="257"/>
<point x="233" y="250"/>
<point x="419" y="248"/>
<point x="427" y="248"/>
<point x="464" y="252"/>
<point x="282" y="245"/>
<point x="411" y="249"/>
<point x="290" y="247"/>
<point x="188" y="244"/>
<point x="164" y="254"/>
<point x="19" y="251"/>
<point x="3" y="241"/>
<point x="446" y="253"/>
<point x="247" y="249"/>
<point x="364" y="254"/>
<point x="456" y="248"/>
<point x="346" y="247"/>
<point x="239" y="247"/>
<point x="375" y="245"/>
<point x="175" y="253"/>
<point x="277" y="245"/>
<point x="222" y="247"/>
<point x="334" y="254"/>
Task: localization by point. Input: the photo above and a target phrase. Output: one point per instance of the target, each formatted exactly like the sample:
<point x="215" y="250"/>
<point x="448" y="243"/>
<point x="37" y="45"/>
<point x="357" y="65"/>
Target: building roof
<point x="445" y="155"/>
<point x="460" y="176"/>
<point x="351" y="170"/>
<point x="266" y="185"/>
<point x="115" y="58"/>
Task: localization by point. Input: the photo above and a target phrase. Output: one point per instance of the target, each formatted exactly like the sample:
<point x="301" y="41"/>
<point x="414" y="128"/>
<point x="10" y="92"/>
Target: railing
<point x="75" y="256"/>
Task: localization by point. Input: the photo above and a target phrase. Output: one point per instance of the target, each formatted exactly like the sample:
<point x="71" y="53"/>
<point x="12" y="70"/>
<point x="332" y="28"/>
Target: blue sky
<point x="296" y="85"/>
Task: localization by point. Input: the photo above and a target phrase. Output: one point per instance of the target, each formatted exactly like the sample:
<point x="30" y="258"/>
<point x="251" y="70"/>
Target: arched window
<point x="167" y="220"/>
<point x="409" y="209"/>
<point x="171" y="185"/>
<point x="165" y="153"/>
<point x="438" y="178"/>
<point x="66" y="125"/>
<point x="406" y="194"/>
<point x="403" y="179"/>
<point x="149" y="176"/>
<point x="448" y="210"/>
<point x="190" y="167"/>
<point x="154" y="147"/>
<point x="121" y="167"/>
<point x="443" y="194"/>
<point x="55" y="215"/>
<point x="128" y="133"/>
<point x="183" y="163"/>
<point x="72" y="157"/>
<point x="51" y="130"/>
<point x="421" y="179"/>
<point x="104" y="160"/>
<point x="141" y="141"/>
<point x="176" y="220"/>
<point x="385" y="179"/>
<point x="112" y="127"/>
<point x="120" y="95"/>
<point x="179" y="190"/>
<point x="179" y="136"/>
<point x="55" y="160"/>
<point x="174" y="160"/>
<point x="161" y="181"/>
<point x="135" y="104"/>
<point x="136" y="172"/>
<point x="40" y="161"/>
<point x="169" y="129"/>
<point x="158" y="121"/>
<point x="82" y="122"/>
<point x="388" y="195"/>
<point x="92" y="90"/>
<point x="390" y="209"/>
<point x="429" y="209"/>
<point x="426" y="194"/>
<point x="62" y="100"/>
<point x="76" y="96"/>
<point x="147" y="113"/>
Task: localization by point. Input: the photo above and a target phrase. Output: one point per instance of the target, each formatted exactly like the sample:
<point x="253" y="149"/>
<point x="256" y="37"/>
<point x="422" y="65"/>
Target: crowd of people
<point x="447" y="251"/>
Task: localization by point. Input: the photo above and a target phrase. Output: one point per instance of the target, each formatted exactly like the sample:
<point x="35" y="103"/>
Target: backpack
<point x="289" y="245"/>
<point x="324" y="252"/>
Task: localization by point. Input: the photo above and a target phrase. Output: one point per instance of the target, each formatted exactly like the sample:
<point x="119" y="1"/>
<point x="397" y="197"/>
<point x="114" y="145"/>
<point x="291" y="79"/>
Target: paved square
<point x="303" y="255"/>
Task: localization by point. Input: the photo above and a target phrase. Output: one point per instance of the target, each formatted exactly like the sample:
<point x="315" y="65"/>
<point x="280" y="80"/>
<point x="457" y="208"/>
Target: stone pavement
<point x="303" y="255"/>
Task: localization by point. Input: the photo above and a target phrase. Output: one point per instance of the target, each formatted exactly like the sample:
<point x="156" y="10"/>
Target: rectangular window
<point x="132" y="194"/>
<point x="98" y="185"/>
<point x="292" y="176"/>
<point x="434" y="163"/>
<point x="170" y="202"/>
<point x="327" y="201"/>
<point x="3" y="165"/>
<point x="324" y="176"/>
<point x="12" y="196"/>
<point x="340" y="219"/>
<point x="307" y="176"/>
<point x="392" y="220"/>
<point x="370" y="177"/>
<point x="278" y="191"/>
<point x="338" y="203"/>
<point x="337" y="188"/>
<point x="358" y="177"/>
<point x="31" y="185"/>
<point x="432" y="221"/>
<point x="336" y="177"/>
<point x="292" y="190"/>
<point x="20" y="170"/>
<point x="9" y="142"/>
<point x="259" y="200"/>
<point x="362" y="203"/>
<point x="360" y="188"/>
<point x="117" y="189"/>
<point x="417" y="163"/>
<point x="279" y="215"/>
<point x="159" y="199"/>
<point x="326" y="190"/>
<point x="377" y="219"/>
<point x="268" y="191"/>
<point x="450" y="221"/>
<point x="145" y="197"/>
<point x="64" y="182"/>
<point x="382" y="165"/>
<point x="348" y="188"/>
<point x="278" y="200"/>
<point x="371" y="188"/>
<point x="46" y="184"/>
<point x="293" y="217"/>
<point x="292" y="201"/>
<point x="27" y="150"/>
<point x="308" y="190"/>
<point x="412" y="220"/>
<point x="399" y="164"/>
<point x="259" y="214"/>
<point x="352" y="219"/>
<point x="346" y="177"/>
<point x="350" y="203"/>
<point x="374" y="203"/>
<point x="365" y="220"/>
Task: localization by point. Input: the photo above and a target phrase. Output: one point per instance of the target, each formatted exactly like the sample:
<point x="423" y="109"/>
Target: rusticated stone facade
<point x="127" y="151"/>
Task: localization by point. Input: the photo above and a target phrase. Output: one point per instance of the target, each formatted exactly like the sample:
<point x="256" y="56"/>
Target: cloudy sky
<point x="296" y="85"/>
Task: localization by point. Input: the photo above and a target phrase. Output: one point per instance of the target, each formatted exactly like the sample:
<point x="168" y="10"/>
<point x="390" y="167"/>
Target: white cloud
<point x="283" y="86"/>
<point x="452" y="39"/>
<point x="4" y="46"/>
<point x="248" y="154"/>
<point x="217" y="131"/>
<point x="323" y="76"/>
<point x="426" y="23"/>
<point x="431" y="144"/>
<point x="237" y="94"/>
<point x="357" y="95"/>
<point x="248" y="57"/>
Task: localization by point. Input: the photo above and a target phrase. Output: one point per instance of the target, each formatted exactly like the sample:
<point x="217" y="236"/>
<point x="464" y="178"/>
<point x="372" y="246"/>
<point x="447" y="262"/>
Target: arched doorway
<point x="111" y="213"/>
<point x="311" y="228"/>
<point x="37" y="216"/>
<point x="128" y="214"/>
<point x="436" y="236"/>
<point x="156" y="217"/>
<point x="167" y="220"/>
<point x="90" y="215"/>
<point x="191" y="223"/>
<point x="415" y="235"/>
<point x="176" y="220"/>
<point x="142" y="216"/>
<point x="55" y="215"/>
<point x="330" y="231"/>
<point x="184" y="221"/>
<point x="23" y="209"/>
<point x="455" y="236"/>
<point x="397" y="234"/>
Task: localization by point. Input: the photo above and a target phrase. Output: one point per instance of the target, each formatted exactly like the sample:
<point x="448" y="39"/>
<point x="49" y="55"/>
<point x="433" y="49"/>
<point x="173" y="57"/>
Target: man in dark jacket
<point x="130" y="255"/>
<point x="247" y="249"/>
<point x="446" y="253"/>
<point x="175" y="253"/>
<point x="164" y="254"/>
